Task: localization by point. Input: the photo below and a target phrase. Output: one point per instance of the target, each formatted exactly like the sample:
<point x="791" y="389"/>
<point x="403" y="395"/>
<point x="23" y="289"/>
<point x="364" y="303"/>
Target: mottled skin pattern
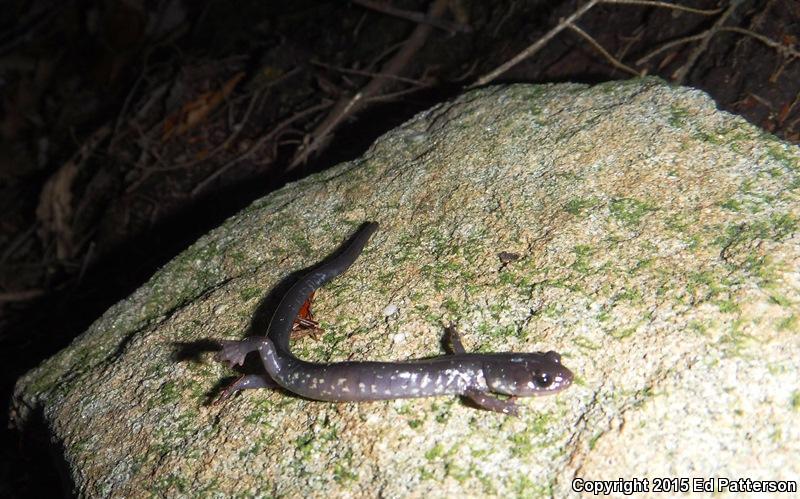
<point x="475" y="376"/>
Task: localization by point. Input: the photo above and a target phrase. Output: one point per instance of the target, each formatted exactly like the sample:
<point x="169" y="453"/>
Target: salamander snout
<point x="525" y="375"/>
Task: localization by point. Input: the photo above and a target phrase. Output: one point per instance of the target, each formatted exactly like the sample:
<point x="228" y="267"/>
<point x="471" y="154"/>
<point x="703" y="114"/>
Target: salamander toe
<point x="232" y="352"/>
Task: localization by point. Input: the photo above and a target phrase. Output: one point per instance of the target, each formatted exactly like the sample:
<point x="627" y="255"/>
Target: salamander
<point x="480" y="377"/>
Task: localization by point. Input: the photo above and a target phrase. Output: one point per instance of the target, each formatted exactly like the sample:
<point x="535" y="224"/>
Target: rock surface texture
<point x="659" y="253"/>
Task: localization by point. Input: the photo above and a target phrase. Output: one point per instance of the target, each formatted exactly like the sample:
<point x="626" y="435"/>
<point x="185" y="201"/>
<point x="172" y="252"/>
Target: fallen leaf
<point x="195" y="112"/>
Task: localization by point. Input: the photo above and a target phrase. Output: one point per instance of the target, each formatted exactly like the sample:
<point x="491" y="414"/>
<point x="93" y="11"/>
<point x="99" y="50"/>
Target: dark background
<point x="130" y="128"/>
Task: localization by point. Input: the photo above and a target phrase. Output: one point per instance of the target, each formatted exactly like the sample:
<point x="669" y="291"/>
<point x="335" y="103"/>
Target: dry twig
<point x="665" y="5"/>
<point x="669" y="45"/>
<point x="412" y="16"/>
<point x="787" y="51"/>
<point x="610" y="58"/>
<point x="681" y="73"/>
<point x="784" y="50"/>
<point x="536" y="46"/>
<point x="18" y="296"/>
<point x="346" y="106"/>
<point x="258" y="144"/>
<point x="371" y="74"/>
<point x="394" y="95"/>
<point x="569" y="22"/>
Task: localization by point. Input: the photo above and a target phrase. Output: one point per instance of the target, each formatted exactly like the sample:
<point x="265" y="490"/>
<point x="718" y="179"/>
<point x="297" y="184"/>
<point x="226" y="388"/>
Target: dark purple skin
<point x="475" y="376"/>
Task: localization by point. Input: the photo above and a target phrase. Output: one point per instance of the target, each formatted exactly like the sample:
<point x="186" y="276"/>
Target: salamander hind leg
<point x="491" y="403"/>
<point x="246" y="382"/>
<point x="233" y="352"/>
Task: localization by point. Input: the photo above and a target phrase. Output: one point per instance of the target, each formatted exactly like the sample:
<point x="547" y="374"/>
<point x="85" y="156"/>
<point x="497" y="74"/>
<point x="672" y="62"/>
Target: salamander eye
<point x="553" y="357"/>
<point x="543" y="380"/>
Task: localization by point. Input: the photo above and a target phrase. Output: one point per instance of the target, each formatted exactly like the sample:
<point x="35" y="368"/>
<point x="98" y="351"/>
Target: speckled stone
<point x="659" y="254"/>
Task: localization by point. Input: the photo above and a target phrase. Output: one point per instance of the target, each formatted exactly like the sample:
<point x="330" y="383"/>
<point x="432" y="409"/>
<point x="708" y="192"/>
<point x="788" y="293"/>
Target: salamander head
<point x="527" y="374"/>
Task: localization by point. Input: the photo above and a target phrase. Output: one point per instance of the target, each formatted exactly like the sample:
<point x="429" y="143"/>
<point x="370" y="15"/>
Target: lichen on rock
<point x="659" y="253"/>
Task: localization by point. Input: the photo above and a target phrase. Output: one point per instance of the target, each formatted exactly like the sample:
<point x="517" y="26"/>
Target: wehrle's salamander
<point x="478" y="376"/>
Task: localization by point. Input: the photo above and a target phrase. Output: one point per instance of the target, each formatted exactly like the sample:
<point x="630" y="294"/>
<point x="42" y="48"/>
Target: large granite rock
<point x="659" y="253"/>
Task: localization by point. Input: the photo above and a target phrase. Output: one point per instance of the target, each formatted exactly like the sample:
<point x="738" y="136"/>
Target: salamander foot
<point x="233" y="352"/>
<point x="246" y="382"/>
<point x="491" y="403"/>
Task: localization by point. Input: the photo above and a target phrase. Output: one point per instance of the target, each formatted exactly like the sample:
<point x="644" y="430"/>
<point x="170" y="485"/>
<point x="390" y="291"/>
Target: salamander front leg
<point x="454" y="339"/>
<point x="492" y="403"/>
